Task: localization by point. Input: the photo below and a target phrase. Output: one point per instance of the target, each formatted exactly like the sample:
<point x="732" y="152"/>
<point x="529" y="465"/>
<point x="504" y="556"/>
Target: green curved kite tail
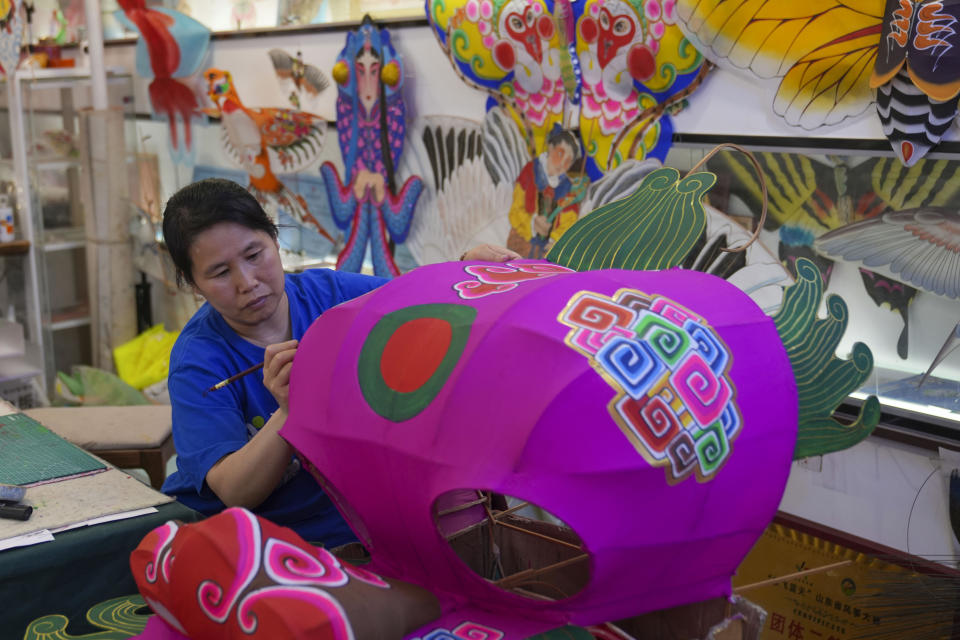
<point x="654" y="228"/>
<point x="118" y="617"/>
<point x="823" y="380"/>
<point x="568" y="632"/>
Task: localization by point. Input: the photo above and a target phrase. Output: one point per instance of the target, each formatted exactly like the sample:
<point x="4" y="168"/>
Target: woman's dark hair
<point x="202" y="204"/>
<point x="565" y="136"/>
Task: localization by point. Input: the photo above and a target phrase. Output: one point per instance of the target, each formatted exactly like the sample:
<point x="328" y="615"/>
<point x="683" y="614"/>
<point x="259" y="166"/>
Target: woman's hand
<point x="277" y="361"/>
<point x="542" y="225"/>
<point x="247" y="477"/>
<point x="490" y="253"/>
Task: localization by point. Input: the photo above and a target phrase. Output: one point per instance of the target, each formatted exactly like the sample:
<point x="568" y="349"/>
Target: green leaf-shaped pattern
<point x="568" y="632"/>
<point x="823" y="380"/>
<point x="654" y="228"/>
<point x="118" y="617"/>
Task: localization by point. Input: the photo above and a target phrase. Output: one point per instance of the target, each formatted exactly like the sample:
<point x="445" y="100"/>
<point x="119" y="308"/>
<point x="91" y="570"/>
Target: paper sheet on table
<point x="80" y="499"/>
<point x="26" y="540"/>
<point x="108" y="518"/>
<point x="46" y="535"/>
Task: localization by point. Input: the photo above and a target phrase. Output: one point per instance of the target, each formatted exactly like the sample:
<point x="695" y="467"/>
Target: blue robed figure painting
<point x="367" y="204"/>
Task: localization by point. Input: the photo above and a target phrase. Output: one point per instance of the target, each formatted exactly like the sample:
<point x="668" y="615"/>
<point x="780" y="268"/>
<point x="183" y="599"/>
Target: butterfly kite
<point x="828" y="57"/>
<point x="610" y="68"/>
<point x="898" y="223"/>
<point x="304" y="77"/>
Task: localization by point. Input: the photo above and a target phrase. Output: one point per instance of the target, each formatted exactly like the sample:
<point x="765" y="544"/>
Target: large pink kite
<point x="654" y="413"/>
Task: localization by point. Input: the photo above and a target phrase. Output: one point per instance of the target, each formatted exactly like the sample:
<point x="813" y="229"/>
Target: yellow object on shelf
<point x="145" y="359"/>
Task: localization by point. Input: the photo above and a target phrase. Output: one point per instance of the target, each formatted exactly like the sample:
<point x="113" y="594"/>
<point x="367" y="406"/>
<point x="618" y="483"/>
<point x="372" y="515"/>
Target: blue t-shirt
<point x="208" y="427"/>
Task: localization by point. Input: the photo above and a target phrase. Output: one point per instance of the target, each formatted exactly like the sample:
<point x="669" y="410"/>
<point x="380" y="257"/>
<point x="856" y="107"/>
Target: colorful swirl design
<point x="290" y="565"/>
<point x="674" y="400"/>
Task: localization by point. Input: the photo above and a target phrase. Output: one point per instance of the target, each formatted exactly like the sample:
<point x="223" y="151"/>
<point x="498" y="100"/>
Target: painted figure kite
<point x="171" y="46"/>
<point x="608" y="67"/>
<point x="636" y="63"/>
<point x="829" y="55"/>
<point x="254" y="136"/>
<point x="367" y="203"/>
<point x="576" y="90"/>
<point x="545" y="200"/>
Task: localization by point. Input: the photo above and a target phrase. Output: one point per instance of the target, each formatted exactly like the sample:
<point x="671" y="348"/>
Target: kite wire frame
<point x="761" y="179"/>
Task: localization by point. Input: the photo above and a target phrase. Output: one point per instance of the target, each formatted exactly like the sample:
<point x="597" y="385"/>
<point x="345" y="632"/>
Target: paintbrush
<point x="234" y="377"/>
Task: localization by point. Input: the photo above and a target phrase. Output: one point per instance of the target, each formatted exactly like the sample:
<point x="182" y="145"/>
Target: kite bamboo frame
<point x="514" y="581"/>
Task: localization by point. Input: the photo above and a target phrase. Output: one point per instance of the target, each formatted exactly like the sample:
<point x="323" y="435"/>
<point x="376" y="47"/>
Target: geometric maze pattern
<point x="463" y="631"/>
<point x="674" y="400"/>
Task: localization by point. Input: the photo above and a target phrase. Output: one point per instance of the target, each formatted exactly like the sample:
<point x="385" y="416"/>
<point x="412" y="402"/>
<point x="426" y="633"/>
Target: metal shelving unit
<point x="51" y="212"/>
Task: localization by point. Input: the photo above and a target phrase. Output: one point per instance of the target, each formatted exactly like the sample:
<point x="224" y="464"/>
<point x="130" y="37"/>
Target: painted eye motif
<point x="604" y="20"/>
<point x="622" y="26"/>
<point x="529" y="16"/>
<point x="516" y="22"/>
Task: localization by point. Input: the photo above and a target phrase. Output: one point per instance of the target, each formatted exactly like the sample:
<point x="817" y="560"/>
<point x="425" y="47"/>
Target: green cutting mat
<point x="29" y="452"/>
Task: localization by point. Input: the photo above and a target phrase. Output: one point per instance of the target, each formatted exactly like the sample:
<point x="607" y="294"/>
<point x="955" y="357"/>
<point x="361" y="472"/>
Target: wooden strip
<point x="461" y="507"/>
<point x="540" y="535"/>
<point x="791" y="576"/>
<point x="526" y="575"/>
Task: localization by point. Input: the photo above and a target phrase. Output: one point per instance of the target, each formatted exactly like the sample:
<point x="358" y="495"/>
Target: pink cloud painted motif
<point x="214" y="601"/>
<point x="160" y="563"/>
<point x="237" y="575"/>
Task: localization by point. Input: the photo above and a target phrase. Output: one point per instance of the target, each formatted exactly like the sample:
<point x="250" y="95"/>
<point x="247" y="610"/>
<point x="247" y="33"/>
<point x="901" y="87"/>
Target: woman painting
<point x="229" y="452"/>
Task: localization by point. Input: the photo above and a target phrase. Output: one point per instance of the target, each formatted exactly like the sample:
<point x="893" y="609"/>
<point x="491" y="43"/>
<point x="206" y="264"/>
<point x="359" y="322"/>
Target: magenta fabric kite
<point x="654" y="413"/>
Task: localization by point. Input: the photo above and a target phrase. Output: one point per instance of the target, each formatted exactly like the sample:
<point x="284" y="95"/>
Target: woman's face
<point x="559" y="159"/>
<point x="368" y="79"/>
<point x="238" y="271"/>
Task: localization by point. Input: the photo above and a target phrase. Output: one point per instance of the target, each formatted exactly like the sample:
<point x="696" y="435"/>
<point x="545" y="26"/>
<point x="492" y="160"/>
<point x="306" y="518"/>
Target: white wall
<point x="731" y="102"/>
<point x="432" y="87"/>
<point x="869" y="491"/>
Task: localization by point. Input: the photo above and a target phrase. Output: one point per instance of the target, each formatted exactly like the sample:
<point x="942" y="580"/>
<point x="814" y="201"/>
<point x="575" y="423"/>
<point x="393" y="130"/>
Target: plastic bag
<point x="91" y="387"/>
<point x="145" y="360"/>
